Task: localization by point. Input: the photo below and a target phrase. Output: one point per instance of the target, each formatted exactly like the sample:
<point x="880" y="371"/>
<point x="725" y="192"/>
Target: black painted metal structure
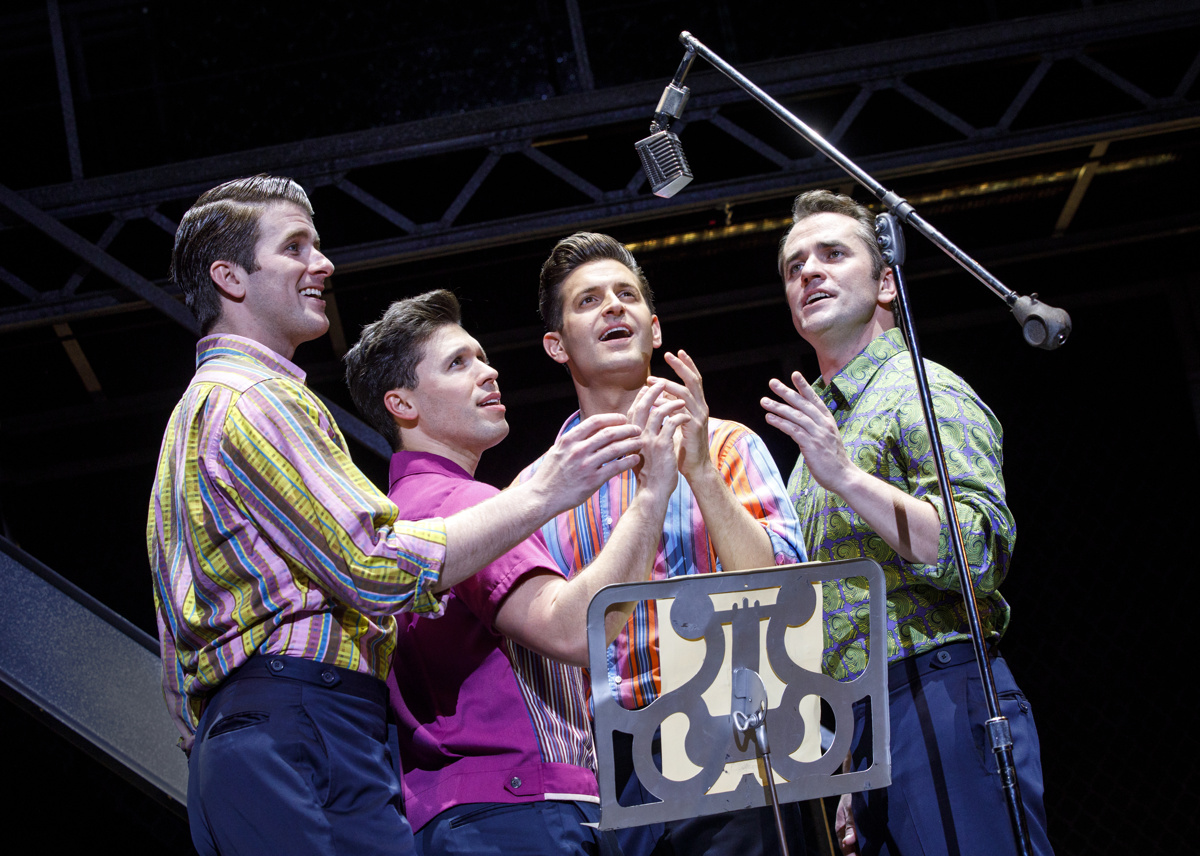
<point x="1061" y="144"/>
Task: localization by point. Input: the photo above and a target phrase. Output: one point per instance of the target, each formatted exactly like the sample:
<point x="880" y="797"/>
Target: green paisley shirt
<point x="875" y="403"/>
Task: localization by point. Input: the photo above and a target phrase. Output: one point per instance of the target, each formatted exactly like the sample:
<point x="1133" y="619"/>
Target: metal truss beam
<point x="156" y="297"/>
<point x="767" y="294"/>
<point x="96" y="257"/>
<point x="89" y="674"/>
<point x="860" y="75"/>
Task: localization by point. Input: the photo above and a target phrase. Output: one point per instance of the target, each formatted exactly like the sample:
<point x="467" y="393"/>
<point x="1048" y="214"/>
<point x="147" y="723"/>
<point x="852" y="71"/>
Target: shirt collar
<point x="851" y="381"/>
<point x="406" y="464"/>
<point x="241" y="348"/>
<point x="573" y="420"/>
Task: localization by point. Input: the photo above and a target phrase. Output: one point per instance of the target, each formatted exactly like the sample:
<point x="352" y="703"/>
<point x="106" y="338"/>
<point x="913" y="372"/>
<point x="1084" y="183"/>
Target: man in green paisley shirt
<point x="865" y="485"/>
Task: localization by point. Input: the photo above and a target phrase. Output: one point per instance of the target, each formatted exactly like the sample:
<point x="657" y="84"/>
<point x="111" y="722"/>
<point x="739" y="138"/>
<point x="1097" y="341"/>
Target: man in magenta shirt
<point x="495" y="744"/>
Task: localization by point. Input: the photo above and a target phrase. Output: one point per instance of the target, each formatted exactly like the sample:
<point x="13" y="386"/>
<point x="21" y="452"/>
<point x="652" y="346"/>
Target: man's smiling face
<point x="283" y="297"/>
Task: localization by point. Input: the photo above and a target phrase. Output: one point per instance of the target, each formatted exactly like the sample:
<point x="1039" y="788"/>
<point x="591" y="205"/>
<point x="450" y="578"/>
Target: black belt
<point x="335" y="678"/>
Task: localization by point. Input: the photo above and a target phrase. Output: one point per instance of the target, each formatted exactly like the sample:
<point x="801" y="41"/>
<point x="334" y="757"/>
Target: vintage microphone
<point x="661" y="152"/>
<point x="1042" y="325"/>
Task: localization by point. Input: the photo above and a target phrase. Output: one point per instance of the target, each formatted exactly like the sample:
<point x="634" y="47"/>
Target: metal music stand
<point x="739" y="656"/>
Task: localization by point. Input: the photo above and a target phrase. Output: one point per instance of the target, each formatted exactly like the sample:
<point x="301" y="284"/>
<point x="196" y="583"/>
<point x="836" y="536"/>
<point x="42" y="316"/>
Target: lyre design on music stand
<point x="766" y="621"/>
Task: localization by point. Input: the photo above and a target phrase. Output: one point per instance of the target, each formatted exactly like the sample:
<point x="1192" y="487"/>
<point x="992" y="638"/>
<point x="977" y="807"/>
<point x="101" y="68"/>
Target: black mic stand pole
<point x="891" y="242"/>
<point x="1042" y="326"/>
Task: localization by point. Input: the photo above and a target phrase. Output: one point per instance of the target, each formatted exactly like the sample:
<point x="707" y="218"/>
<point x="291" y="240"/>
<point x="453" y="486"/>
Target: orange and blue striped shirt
<point x="576" y="537"/>
<point x="264" y="537"/>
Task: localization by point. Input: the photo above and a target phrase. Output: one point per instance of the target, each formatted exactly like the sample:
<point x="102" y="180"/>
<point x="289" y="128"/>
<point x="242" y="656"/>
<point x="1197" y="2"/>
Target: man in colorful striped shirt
<point x="865" y="485"/>
<point x="277" y="565"/>
<point x="729" y="510"/>
<point x="495" y="744"/>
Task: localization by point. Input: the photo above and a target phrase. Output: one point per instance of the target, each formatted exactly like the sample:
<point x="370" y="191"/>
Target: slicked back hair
<point x="389" y="350"/>
<point x="569" y="255"/>
<point x="823" y="201"/>
<point x="223" y="224"/>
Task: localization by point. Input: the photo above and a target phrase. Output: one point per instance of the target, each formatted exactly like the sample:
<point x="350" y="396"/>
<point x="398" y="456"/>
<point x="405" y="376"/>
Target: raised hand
<point x="804" y="417"/>
<point x="908" y="525"/>
<point x="692" y="441"/>
<point x="585" y="457"/>
<point x="659" y="417"/>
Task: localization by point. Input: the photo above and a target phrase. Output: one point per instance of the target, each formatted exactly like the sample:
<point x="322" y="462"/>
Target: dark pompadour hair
<point x="823" y="201"/>
<point x="224" y="224"/>
<point x="389" y="350"/>
<point x="571" y="253"/>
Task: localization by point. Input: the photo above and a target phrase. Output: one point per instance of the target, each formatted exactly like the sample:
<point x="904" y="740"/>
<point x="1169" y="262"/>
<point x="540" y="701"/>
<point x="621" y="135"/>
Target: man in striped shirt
<point x="277" y="565"/>
<point x="729" y="510"/>
<point x="495" y="744"/>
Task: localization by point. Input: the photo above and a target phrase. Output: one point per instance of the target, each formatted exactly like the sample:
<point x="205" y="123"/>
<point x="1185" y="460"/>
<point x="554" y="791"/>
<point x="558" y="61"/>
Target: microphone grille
<point x="664" y="162"/>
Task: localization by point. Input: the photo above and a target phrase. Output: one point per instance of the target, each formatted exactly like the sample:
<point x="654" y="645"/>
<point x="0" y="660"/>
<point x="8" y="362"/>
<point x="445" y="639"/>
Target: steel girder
<point x="104" y="694"/>
<point x="913" y="73"/>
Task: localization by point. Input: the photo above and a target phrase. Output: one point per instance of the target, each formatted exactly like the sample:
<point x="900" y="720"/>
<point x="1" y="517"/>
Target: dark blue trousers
<point x="751" y="832"/>
<point x="291" y="756"/>
<point x="946" y="798"/>
<point x="548" y="828"/>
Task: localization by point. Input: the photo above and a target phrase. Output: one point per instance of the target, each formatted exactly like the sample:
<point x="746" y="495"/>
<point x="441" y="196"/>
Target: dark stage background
<point x="1101" y="435"/>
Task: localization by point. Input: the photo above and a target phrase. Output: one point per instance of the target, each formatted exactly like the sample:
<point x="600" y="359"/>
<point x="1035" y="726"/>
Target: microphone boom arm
<point x="1042" y="326"/>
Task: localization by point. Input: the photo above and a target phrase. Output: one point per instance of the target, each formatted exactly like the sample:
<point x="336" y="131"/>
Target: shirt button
<point x="514" y="782"/>
<point x="608" y="521"/>
<point x="617" y="679"/>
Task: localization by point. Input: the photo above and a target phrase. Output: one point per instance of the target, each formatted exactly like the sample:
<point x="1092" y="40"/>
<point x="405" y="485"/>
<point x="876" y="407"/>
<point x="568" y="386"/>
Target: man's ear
<point x="887" y="288"/>
<point x="553" y="344"/>
<point x="400" y="403"/>
<point x="656" y="341"/>
<point x="229" y="278"/>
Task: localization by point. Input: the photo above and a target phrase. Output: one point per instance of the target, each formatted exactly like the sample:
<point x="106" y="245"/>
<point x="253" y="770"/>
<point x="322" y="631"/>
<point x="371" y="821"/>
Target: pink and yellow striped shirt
<point x="264" y="537"/>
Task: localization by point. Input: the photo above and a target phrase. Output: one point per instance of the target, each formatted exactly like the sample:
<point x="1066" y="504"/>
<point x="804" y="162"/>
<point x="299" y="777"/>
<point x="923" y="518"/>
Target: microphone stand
<point x="891" y="242"/>
<point x="749" y="714"/>
<point x="1041" y="325"/>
